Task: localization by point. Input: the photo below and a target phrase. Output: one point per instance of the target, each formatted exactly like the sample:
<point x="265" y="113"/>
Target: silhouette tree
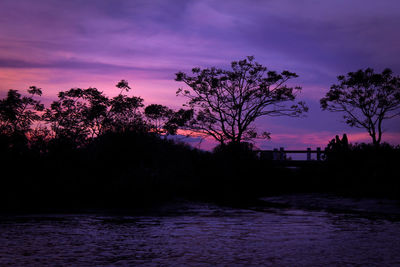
<point x="82" y="113"/>
<point x="227" y="102"/>
<point x="158" y="116"/>
<point x="366" y="99"/>
<point x="178" y="119"/>
<point x="39" y="140"/>
<point x="124" y="113"/>
<point x="17" y="113"/>
<point x="164" y="120"/>
<point x="77" y="113"/>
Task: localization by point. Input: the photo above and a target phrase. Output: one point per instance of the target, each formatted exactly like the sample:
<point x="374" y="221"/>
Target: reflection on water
<point x="201" y="235"/>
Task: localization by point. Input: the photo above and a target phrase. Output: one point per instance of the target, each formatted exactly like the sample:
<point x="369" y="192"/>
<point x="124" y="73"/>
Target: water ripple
<point x="200" y="235"/>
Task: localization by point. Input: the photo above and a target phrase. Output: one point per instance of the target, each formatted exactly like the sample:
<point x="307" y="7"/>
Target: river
<point x="292" y="231"/>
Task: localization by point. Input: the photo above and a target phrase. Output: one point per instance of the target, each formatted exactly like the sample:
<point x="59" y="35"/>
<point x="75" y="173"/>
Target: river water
<point x="197" y="234"/>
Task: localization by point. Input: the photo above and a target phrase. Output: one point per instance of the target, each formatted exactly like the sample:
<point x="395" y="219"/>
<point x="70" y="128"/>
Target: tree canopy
<point x="226" y="103"/>
<point x="163" y="120"/>
<point x="17" y="113"/>
<point x="158" y="116"/>
<point x="366" y="99"/>
<point x="82" y="113"/>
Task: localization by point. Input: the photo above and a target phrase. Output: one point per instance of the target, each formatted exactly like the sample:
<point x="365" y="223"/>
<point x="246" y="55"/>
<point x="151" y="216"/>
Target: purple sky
<point x="57" y="45"/>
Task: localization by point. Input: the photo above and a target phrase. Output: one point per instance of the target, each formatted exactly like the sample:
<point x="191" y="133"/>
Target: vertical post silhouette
<point x="282" y="154"/>
<point x="275" y="154"/>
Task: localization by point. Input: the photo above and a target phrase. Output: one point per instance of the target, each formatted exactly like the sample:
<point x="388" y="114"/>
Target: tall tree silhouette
<point x="366" y="99"/>
<point x="124" y="111"/>
<point x="227" y="102"/>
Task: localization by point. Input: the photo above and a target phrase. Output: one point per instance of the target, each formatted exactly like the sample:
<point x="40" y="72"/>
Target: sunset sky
<point x="58" y="44"/>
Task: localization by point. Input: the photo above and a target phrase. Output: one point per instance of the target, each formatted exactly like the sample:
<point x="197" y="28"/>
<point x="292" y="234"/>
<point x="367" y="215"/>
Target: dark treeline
<point x="364" y="169"/>
<point x="361" y="170"/>
<point x="136" y="169"/>
<point x="87" y="150"/>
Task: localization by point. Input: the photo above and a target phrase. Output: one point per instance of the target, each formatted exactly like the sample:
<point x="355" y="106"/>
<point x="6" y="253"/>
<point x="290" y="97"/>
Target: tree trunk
<point x="379" y="131"/>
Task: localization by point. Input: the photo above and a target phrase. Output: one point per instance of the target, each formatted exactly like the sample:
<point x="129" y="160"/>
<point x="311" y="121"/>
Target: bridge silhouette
<point x="281" y="156"/>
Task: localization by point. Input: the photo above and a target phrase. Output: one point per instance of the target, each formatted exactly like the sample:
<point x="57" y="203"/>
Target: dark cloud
<point x="74" y="64"/>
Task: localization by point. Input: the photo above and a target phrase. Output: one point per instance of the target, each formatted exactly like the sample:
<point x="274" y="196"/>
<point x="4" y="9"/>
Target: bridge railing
<point x="281" y="154"/>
